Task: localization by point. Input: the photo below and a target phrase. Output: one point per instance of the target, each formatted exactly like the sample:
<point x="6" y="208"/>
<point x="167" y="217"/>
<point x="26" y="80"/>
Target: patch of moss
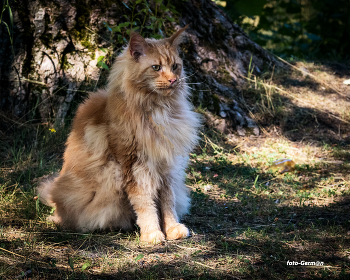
<point x="85" y="39"/>
<point x="65" y="65"/>
<point x="224" y="75"/>
<point x="220" y="32"/>
<point x="83" y="9"/>
<point x="216" y="103"/>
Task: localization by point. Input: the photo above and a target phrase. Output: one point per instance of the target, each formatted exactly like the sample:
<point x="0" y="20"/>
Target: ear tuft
<point x="137" y="45"/>
<point x="177" y="38"/>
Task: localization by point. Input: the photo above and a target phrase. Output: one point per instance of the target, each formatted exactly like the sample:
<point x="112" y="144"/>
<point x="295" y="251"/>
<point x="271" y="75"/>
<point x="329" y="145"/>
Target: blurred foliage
<point x="302" y="28"/>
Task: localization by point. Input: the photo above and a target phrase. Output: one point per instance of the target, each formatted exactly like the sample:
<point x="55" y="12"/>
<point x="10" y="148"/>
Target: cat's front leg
<point x="171" y="226"/>
<point x="143" y="203"/>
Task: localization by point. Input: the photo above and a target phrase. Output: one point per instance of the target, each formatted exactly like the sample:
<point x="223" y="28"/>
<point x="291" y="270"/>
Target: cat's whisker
<point x="177" y="87"/>
<point x="151" y="92"/>
<point x="188" y="76"/>
<point x="145" y="98"/>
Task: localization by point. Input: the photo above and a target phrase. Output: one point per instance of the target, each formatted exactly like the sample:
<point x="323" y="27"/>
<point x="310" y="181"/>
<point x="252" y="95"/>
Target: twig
<point x="336" y="184"/>
<point x="79" y="247"/>
<point x="24" y="274"/>
<point x="2" y="115"/>
<point x="215" y="269"/>
<point x="21" y="256"/>
<point x="62" y="232"/>
<point x="250" y="245"/>
<point x="33" y="82"/>
<point x="182" y="247"/>
<point x="213" y="145"/>
<point x="323" y="266"/>
<point x="204" y="265"/>
<point x="99" y="35"/>
<point x="182" y="276"/>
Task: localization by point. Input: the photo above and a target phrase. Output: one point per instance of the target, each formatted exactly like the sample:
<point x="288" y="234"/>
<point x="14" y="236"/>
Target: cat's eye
<point x="156" y="67"/>
<point x="175" y="66"/>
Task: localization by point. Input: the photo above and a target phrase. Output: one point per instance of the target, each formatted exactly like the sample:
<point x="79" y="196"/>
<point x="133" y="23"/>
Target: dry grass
<point x="246" y="221"/>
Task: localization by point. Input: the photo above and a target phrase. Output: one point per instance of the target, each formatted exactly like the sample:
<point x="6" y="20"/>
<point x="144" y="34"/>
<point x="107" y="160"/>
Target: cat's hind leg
<point x="69" y="195"/>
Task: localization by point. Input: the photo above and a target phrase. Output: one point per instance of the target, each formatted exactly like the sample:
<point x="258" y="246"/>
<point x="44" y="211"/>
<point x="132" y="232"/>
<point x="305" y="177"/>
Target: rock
<point x="221" y="125"/>
<point x="224" y="107"/>
<point x="207" y="188"/>
<point x="223" y="114"/>
<point x="240" y="130"/>
<point x="231" y="137"/>
<point x="237" y="117"/>
<point x="39" y="22"/>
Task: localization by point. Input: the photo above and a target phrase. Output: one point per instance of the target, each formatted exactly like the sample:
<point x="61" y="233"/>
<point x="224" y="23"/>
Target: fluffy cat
<point x="126" y="154"/>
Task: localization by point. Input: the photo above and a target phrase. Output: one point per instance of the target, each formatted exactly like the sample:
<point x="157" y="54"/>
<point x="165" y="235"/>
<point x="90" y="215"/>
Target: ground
<point x="246" y="221"/>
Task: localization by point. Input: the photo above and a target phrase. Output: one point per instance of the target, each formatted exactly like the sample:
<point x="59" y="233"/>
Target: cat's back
<point x="92" y="112"/>
<point x="88" y="140"/>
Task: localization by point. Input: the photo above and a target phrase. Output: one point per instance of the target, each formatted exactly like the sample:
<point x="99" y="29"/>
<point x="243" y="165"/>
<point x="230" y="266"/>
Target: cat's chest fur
<point x="167" y="133"/>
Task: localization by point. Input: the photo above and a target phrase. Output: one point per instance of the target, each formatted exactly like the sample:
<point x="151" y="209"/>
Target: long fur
<point x="126" y="154"/>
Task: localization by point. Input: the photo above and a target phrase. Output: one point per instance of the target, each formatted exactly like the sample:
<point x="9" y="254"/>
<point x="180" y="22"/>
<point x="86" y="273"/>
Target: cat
<point x="128" y="148"/>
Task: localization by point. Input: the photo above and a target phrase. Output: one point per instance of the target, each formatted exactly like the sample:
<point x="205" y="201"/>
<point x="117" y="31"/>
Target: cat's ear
<point x="137" y="45"/>
<point x="177" y="38"/>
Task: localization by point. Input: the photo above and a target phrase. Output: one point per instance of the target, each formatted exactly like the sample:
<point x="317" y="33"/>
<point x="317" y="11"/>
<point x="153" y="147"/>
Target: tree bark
<point x="57" y="44"/>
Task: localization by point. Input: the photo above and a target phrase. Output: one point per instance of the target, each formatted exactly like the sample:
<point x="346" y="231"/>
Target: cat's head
<point x="156" y="64"/>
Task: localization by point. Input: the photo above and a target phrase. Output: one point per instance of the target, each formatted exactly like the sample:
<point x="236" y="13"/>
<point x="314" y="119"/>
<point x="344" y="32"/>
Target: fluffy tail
<point x="44" y="191"/>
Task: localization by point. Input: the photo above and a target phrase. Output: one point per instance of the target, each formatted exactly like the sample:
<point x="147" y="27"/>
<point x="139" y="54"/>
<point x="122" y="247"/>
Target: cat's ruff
<point x="126" y="154"/>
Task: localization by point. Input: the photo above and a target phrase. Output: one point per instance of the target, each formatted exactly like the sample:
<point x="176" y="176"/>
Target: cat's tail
<point x="44" y="191"/>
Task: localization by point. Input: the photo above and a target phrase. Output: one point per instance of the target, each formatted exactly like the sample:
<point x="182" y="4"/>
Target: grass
<point x="246" y="221"/>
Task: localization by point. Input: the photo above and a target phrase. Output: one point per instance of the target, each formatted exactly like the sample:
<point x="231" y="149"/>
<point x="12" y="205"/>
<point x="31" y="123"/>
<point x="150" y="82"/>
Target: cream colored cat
<point x="125" y="157"/>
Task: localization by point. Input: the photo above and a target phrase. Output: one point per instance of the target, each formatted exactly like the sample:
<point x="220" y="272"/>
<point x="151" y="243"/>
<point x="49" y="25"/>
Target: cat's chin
<point x="166" y="91"/>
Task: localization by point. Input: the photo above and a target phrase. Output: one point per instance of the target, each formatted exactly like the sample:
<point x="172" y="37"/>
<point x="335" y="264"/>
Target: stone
<point x="224" y="107"/>
<point x="240" y="130"/>
<point x="221" y="125"/>
<point x="237" y="117"/>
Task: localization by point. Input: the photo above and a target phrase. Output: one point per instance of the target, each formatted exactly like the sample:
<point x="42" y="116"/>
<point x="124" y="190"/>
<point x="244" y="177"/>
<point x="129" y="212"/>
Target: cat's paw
<point x="54" y="218"/>
<point x="178" y="231"/>
<point x="155" y="236"/>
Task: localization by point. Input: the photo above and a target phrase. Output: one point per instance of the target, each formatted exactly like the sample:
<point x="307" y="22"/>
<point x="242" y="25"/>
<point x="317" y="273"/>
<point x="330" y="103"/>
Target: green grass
<point x="246" y="221"/>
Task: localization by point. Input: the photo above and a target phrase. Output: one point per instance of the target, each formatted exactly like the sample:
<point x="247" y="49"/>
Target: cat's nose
<point x="172" y="81"/>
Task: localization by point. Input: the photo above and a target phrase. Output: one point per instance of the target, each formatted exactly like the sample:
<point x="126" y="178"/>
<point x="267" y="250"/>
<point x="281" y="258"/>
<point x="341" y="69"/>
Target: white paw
<point x="177" y="231"/>
<point x="155" y="236"/>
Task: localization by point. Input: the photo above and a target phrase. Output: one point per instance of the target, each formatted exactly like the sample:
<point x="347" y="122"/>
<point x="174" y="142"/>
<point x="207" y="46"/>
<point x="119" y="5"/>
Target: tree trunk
<point x="57" y="45"/>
